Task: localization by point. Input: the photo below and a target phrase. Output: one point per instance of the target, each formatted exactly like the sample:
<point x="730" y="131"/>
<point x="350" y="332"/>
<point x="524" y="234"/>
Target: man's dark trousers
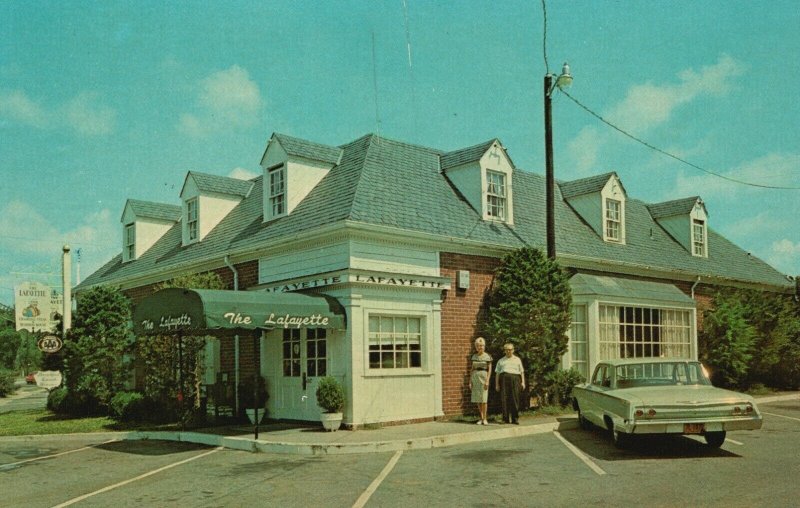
<point x="509" y="393"/>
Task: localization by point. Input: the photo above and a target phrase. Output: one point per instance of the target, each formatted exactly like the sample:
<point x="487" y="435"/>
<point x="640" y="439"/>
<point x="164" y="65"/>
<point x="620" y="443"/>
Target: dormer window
<point x="613" y="220"/>
<point x="496" y="195"/>
<point x="698" y="237"/>
<point x="130" y="242"/>
<point x="277" y="190"/>
<point x="192" y="219"/>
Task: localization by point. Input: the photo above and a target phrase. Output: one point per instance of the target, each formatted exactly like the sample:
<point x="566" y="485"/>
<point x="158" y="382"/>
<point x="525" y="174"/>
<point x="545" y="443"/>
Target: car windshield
<point x="661" y="374"/>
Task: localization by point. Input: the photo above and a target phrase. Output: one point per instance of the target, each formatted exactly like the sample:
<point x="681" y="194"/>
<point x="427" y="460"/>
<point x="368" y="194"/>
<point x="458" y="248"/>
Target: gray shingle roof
<point x="584" y="185"/>
<point x="221" y="184"/>
<point x="155" y="210"/>
<point x="676" y="207"/>
<point x="464" y="155"/>
<point x="309" y="149"/>
<point x="388" y="183"/>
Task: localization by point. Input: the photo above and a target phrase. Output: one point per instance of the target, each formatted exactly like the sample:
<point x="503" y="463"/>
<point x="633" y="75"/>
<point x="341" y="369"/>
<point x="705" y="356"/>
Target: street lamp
<point x="550" y="84"/>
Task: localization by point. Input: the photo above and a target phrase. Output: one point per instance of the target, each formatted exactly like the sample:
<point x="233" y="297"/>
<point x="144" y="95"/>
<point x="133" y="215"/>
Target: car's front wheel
<point x="715" y="439"/>
<point x="583" y="422"/>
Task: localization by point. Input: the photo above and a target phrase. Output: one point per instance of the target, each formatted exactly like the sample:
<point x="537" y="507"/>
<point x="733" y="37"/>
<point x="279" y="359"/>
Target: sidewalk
<point x="285" y="438"/>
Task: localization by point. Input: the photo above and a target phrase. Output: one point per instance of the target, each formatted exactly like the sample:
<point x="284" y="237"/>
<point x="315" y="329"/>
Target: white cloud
<point x="242" y="174"/>
<point x="16" y="105"/>
<point x="753" y="226"/>
<point x="84" y="114"/>
<point x="775" y="169"/>
<point x="583" y="152"/>
<point x="785" y="256"/>
<point x="649" y="105"/>
<point x="227" y="100"/>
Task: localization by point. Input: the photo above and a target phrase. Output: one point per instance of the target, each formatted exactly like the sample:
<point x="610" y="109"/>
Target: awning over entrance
<point x="632" y="289"/>
<point x="175" y="310"/>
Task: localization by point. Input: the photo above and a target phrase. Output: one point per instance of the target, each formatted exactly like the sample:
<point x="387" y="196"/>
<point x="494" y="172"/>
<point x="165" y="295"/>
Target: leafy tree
<point x="529" y="306"/>
<point x="9" y="343"/>
<point x="727" y="340"/>
<point x="28" y="358"/>
<point x="159" y="357"/>
<point x="95" y="350"/>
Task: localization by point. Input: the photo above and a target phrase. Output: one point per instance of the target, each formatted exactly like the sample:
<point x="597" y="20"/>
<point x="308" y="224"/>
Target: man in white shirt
<point x="509" y="381"/>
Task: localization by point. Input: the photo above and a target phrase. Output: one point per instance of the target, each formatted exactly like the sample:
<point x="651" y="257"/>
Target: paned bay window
<point x="644" y="332"/>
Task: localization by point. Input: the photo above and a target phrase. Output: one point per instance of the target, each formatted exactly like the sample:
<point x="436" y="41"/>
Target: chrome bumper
<point x="677" y="426"/>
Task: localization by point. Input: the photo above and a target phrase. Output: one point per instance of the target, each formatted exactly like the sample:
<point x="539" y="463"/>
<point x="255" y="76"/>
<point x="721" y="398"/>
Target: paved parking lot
<point x="552" y="469"/>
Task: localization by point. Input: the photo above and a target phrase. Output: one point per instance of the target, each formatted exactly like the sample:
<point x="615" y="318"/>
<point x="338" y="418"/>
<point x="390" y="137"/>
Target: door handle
<point x="305" y="381"/>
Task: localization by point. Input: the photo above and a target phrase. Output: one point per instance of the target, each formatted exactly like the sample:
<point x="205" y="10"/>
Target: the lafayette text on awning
<point x="177" y="310"/>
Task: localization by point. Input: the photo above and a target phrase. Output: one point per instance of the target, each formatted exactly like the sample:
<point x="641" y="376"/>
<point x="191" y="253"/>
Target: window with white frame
<point x="613" y="220"/>
<point x="644" y="332"/>
<point x="578" y="343"/>
<point x="277" y="191"/>
<point x="192" y="219"/>
<point x="496" y="198"/>
<point x="291" y="352"/>
<point x="316" y="352"/>
<point x="698" y="237"/>
<point x="395" y="342"/>
<point x="130" y="242"/>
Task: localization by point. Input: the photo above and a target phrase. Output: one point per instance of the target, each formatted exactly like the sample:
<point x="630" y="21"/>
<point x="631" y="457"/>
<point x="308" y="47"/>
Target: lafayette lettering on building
<point x="361" y="278"/>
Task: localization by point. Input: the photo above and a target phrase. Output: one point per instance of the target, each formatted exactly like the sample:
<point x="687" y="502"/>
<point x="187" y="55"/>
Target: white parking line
<point x="586" y="460"/>
<point x="729" y="440"/>
<point x="789" y="417"/>
<point x="131" y="480"/>
<point x="4" y="466"/>
<point x="362" y="500"/>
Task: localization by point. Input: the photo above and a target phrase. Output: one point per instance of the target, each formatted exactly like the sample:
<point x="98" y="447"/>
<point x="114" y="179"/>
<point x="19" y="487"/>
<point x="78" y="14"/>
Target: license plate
<point x="693" y="428"/>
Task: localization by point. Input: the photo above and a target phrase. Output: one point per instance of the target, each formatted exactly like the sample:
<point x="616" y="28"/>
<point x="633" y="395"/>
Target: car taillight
<point x="651" y="412"/>
<point x="748" y="409"/>
<point x="639" y="413"/>
<point x="737" y="410"/>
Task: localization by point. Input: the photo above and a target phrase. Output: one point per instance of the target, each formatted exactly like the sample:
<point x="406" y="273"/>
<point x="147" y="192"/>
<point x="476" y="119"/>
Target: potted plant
<point x="330" y="397"/>
<point x="251" y="398"/>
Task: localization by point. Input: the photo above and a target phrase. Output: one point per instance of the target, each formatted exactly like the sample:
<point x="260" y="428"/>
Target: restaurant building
<point x="402" y="242"/>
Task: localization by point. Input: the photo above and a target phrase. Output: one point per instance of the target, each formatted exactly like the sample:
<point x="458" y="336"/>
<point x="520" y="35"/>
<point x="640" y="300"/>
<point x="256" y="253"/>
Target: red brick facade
<point x="462" y="312"/>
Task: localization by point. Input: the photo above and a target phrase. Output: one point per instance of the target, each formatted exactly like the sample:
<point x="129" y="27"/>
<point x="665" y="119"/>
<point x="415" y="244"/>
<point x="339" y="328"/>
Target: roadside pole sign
<point x="48" y="379"/>
<point x="50" y="344"/>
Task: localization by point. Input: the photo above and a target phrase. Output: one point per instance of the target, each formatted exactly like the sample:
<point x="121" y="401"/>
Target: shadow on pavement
<point x="149" y="448"/>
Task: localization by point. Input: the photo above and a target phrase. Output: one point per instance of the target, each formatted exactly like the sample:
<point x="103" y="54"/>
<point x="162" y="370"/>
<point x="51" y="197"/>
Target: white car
<point x="661" y="396"/>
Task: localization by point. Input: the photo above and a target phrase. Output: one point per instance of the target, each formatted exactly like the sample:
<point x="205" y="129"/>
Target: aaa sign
<point x="49" y="344"/>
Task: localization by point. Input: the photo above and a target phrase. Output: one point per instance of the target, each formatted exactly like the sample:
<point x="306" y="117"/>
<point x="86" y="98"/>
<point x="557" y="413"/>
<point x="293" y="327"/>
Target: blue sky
<point x="104" y="101"/>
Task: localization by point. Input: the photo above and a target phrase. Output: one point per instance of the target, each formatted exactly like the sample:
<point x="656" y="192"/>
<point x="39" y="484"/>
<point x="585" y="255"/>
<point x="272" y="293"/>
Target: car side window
<point x="600" y="375"/>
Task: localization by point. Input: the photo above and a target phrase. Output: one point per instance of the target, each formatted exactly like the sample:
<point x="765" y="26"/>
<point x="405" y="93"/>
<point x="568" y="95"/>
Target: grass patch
<point x="42" y="421"/>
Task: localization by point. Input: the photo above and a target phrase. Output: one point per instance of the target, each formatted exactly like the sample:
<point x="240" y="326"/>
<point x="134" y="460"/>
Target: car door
<point x="600" y="382"/>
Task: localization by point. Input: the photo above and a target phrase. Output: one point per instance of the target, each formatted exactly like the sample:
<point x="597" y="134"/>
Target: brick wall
<point x="462" y="313"/>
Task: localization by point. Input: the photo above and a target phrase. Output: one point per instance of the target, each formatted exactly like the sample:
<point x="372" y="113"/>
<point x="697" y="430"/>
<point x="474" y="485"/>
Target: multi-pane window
<point x="496" y="195"/>
<point x="395" y="342"/>
<point x="277" y="191"/>
<point x="191" y="219"/>
<point x="130" y="241"/>
<point x="698" y="237"/>
<point x="644" y="332"/>
<point x="291" y="352"/>
<point x="578" y="343"/>
<point x="316" y="352"/>
<point x="613" y="220"/>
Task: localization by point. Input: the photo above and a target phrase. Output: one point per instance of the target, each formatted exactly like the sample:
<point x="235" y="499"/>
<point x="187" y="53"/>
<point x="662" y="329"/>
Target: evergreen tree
<point x="727" y="340"/>
<point x="529" y="306"/>
<point x="95" y="361"/>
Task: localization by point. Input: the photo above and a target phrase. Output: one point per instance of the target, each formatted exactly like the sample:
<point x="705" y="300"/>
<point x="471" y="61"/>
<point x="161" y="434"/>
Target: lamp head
<point x="565" y="79"/>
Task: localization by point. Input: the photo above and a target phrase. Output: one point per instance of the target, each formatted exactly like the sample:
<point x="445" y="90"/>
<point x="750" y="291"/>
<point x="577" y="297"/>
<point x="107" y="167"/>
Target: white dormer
<point x="206" y="200"/>
<point x="292" y="168"/>
<point x="600" y="201"/>
<point x="143" y="223"/>
<point x="686" y="220"/>
<point x="483" y="175"/>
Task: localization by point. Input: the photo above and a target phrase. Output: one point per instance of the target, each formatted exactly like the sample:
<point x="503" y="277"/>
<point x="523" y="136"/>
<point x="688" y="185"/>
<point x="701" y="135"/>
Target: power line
<point x="668" y="154"/>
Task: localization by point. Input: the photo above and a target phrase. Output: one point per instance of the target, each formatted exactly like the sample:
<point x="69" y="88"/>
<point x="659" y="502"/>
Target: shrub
<point x="57" y="400"/>
<point x="7" y="386"/>
<point x="129" y="406"/>
<point x="330" y="395"/>
<point x="560" y="386"/>
<point x="727" y="342"/>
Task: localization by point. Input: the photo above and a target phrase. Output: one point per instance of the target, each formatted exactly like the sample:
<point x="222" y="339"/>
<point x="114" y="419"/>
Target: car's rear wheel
<point x="620" y="439"/>
<point x="715" y="439"/>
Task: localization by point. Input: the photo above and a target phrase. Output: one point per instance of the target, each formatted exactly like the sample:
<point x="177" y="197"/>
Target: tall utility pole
<point x="66" y="277"/>
<point x="550" y="84"/>
<point x="549" y="180"/>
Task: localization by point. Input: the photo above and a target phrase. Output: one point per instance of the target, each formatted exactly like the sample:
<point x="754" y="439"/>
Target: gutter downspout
<point x="695" y="285"/>
<point x="227" y="261"/>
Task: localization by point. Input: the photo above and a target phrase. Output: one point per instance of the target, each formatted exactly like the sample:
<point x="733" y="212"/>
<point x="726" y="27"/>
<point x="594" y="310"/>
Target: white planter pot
<point x="331" y="421"/>
<point x="251" y="415"/>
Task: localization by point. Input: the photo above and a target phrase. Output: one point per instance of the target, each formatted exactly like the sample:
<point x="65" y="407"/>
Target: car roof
<point x="628" y="361"/>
